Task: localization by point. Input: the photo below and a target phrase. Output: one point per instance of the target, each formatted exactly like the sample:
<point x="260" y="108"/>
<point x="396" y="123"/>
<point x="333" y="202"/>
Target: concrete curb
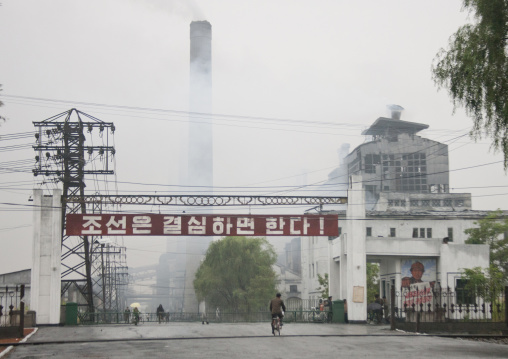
<point x="9" y="348"/>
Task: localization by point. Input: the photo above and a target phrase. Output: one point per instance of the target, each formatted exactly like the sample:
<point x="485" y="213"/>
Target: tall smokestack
<point x="200" y="150"/>
<point x="200" y="159"/>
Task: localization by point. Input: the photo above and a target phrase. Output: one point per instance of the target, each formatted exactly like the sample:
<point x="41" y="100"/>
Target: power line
<point x="217" y="117"/>
<point x="181" y="113"/>
<point x="291" y="188"/>
<point x="17" y="227"/>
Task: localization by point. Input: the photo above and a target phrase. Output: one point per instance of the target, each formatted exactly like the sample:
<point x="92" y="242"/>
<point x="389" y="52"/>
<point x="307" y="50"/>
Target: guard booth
<point x="338" y="311"/>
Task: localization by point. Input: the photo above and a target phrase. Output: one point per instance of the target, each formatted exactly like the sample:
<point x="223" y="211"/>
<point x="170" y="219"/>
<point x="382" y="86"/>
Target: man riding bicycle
<point x="276" y="307"/>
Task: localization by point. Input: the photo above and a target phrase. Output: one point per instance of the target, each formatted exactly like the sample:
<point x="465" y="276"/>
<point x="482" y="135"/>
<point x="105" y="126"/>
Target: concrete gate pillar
<point x="356" y="258"/>
<point x="47" y="249"/>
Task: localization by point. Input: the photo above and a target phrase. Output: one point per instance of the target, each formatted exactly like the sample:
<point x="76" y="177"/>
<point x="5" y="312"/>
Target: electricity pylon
<point x="61" y="157"/>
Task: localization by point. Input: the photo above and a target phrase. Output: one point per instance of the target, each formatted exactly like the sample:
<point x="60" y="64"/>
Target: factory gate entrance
<point x="103" y="224"/>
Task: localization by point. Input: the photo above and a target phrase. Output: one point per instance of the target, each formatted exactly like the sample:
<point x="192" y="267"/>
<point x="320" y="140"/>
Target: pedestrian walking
<point x="127" y="315"/>
<point x="346" y="320"/>
<point x="160" y="313"/>
<point x="135" y="311"/>
<point x="385" y="310"/>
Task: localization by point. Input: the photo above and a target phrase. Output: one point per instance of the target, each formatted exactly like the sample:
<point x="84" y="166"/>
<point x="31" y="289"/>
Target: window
<point x="413" y="173"/>
<point x="463" y="296"/>
<point x="447" y="203"/>
<point x="369" y="231"/>
<point x="450" y="234"/>
<point x="293" y="288"/>
<point x="369" y="165"/>
<point x="371" y="189"/>
<point x="313" y="273"/>
<point x="340" y="231"/>
<point x="392" y="232"/>
<point x="420" y="232"/>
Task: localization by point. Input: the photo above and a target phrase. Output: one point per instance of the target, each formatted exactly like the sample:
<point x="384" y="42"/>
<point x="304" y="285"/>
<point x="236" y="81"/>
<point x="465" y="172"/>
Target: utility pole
<point x="61" y="150"/>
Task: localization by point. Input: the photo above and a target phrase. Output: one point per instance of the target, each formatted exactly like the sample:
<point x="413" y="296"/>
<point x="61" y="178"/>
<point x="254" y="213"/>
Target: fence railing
<point x="302" y="304"/>
<point x="10" y="299"/>
<point x="291" y="316"/>
<point x="446" y="305"/>
<point x="12" y="310"/>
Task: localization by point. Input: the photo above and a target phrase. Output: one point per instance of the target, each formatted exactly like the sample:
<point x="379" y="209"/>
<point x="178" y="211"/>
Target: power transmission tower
<point x="109" y="276"/>
<point x="61" y="157"/>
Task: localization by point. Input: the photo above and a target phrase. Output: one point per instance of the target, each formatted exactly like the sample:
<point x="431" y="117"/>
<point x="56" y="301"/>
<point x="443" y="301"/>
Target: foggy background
<point x="292" y="81"/>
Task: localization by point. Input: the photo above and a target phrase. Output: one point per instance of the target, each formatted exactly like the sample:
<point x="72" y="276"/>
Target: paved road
<point x="194" y="340"/>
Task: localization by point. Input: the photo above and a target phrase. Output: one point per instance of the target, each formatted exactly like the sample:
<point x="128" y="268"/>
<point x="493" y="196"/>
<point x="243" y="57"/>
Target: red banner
<point x="200" y="225"/>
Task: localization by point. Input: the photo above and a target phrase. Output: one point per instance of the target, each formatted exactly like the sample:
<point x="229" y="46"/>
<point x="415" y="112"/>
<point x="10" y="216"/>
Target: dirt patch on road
<point x="26" y="332"/>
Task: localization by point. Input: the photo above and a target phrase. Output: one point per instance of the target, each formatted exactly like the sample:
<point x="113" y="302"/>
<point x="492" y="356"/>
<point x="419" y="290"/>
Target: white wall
<point x="403" y="246"/>
<point x="455" y="257"/>
<point x="315" y="260"/>
<point x="439" y="225"/>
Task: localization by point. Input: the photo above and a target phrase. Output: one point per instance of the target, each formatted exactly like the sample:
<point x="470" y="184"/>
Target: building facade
<point x="400" y="215"/>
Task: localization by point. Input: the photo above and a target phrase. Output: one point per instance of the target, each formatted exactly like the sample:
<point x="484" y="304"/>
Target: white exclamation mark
<point x="321" y="225"/>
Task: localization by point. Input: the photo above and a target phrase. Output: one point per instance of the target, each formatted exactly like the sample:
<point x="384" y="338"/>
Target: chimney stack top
<point x="396" y="111"/>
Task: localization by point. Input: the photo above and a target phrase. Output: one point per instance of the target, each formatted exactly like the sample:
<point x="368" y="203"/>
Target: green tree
<point x="474" y="70"/>
<point x="486" y="284"/>
<point x="323" y="285"/>
<point x="237" y="273"/>
<point x="492" y="230"/>
<point x="372" y="281"/>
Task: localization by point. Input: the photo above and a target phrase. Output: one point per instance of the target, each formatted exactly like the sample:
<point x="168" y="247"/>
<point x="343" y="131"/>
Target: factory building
<point x="400" y="212"/>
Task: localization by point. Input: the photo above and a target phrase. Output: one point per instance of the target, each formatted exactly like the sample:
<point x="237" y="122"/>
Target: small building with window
<point x="395" y="240"/>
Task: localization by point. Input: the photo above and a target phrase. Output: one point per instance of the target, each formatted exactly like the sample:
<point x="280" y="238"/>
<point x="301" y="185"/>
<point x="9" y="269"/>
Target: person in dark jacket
<point x="378" y="312"/>
<point x="160" y="313"/>
<point x="346" y="320"/>
<point x="276" y="307"/>
<point x="127" y="315"/>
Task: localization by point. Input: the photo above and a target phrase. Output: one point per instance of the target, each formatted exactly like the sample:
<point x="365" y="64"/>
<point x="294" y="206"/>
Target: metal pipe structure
<point x="205" y="200"/>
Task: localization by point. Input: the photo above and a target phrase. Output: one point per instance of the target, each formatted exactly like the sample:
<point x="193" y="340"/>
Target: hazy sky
<point x="292" y="81"/>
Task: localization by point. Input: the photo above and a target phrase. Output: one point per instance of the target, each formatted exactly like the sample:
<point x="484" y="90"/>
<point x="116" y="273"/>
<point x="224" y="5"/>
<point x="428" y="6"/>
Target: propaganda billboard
<point x="418" y="281"/>
<point x="200" y="225"/>
<point x="418" y="271"/>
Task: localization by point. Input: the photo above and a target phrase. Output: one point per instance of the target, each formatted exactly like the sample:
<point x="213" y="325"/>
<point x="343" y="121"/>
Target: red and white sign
<point x="200" y="225"/>
<point x="419" y="294"/>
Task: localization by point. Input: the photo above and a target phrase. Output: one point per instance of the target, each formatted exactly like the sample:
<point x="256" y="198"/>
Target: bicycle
<point x="136" y="318"/>
<point x="275" y="324"/>
<point x="374" y="317"/>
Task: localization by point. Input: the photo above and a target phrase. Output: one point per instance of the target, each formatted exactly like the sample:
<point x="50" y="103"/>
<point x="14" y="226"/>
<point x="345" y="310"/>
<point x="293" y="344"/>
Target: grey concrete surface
<point x="245" y="340"/>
